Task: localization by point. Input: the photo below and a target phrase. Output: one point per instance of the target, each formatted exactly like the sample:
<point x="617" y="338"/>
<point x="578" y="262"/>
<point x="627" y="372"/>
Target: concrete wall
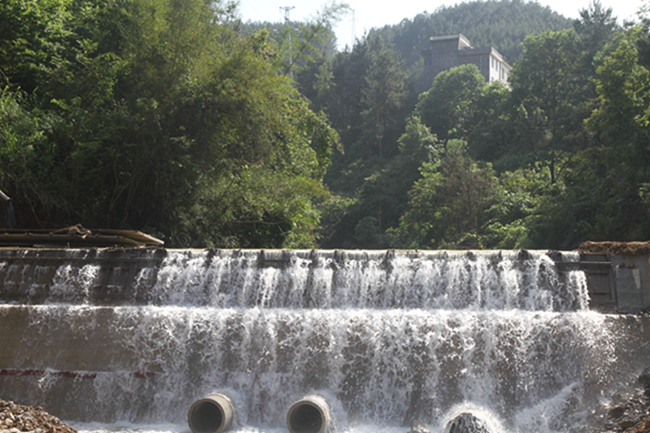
<point x="73" y="353"/>
<point x="632" y="283"/>
<point x="33" y="276"/>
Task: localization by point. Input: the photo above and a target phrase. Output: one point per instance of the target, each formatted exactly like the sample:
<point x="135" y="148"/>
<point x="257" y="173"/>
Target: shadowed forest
<point x="174" y="118"/>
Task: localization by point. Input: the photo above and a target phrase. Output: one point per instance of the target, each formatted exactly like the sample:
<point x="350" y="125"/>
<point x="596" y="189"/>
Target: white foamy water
<point x="173" y="428"/>
<point x="492" y="280"/>
<point x="386" y="338"/>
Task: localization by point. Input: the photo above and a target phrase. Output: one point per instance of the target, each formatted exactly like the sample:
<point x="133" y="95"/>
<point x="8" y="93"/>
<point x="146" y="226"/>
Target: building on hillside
<point x="455" y="50"/>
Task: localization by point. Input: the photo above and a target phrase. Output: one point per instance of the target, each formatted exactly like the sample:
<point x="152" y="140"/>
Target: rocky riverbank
<point x="627" y="413"/>
<point x="16" y="418"/>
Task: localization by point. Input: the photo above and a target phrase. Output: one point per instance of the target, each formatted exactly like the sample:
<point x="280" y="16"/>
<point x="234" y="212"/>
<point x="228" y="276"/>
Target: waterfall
<point x="387" y="338"/>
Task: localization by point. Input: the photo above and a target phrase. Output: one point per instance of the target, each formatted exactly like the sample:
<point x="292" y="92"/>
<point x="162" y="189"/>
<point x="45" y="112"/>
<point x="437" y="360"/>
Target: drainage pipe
<point x="211" y="414"/>
<point x="309" y="415"/>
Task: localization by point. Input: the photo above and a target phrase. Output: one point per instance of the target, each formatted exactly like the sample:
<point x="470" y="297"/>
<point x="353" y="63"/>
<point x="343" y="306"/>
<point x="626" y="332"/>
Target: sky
<point x="368" y="14"/>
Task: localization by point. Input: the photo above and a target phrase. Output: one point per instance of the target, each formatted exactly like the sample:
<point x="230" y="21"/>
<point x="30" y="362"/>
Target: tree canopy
<point x="157" y="115"/>
<point x="174" y="118"/>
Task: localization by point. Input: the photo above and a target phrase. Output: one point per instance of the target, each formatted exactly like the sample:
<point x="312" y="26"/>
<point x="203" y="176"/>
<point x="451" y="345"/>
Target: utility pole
<point x="354" y="36"/>
<point x="286" y="10"/>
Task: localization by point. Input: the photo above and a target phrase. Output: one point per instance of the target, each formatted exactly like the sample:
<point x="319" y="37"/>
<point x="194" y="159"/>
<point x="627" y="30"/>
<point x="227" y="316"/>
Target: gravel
<point x="16" y="418"/>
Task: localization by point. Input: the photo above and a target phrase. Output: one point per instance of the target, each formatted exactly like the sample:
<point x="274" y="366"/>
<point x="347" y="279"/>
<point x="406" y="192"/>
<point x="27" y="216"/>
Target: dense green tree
<point x="622" y="113"/>
<point x="383" y="196"/>
<point x="518" y="204"/>
<point x="340" y="97"/>
<point x="383" y="95"/>
<point x="447" y="207"/>
<point x="158" y="112"/>
<point x="621" y="124"/>
<point x="449" y="107"/>
<point x="643" y="35"/>
<point x="549" y="96"/>
<point x="24" y="146"/>
<point x="33" y="37"/>
<point x="595" y="27"/>
<point x="491" y="132"/>
<point x="368" y="98"/>
<point x="600" y="195"/>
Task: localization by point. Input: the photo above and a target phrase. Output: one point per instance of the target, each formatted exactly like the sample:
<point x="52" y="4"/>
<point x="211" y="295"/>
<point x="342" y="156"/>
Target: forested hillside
<point x="175" y="119"/>
<point x="471" y="165"/>
<point x="502" y="24"/>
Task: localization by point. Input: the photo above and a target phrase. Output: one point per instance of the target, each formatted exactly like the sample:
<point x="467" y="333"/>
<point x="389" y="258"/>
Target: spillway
<point x="387" y="338"/>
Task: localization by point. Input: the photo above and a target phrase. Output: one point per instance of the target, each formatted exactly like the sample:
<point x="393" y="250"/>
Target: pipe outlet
<point x="211" y="414"/>
<point x="309" y="415"/>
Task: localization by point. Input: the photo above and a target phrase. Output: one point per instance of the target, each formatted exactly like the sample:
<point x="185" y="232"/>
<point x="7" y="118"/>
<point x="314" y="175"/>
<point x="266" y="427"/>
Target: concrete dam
<point x="527" y="341"/>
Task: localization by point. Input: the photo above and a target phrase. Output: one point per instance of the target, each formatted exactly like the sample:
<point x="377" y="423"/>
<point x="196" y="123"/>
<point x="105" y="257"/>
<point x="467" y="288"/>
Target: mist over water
<point x="387" y="338"/>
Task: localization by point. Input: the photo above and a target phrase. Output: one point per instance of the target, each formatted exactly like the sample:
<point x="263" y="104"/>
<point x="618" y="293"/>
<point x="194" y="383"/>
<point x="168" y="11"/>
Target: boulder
<point x="466" y="422"/>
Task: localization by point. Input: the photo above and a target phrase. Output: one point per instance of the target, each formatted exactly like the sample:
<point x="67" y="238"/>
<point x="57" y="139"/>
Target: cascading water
<point x="387" y="338"/>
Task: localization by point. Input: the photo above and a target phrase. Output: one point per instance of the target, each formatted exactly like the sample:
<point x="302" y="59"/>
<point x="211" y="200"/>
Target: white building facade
<point x="449" y="51"/>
